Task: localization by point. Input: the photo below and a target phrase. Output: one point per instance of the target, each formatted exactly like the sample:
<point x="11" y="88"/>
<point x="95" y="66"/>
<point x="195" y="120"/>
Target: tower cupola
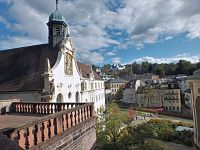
<point x="58" y="28"/>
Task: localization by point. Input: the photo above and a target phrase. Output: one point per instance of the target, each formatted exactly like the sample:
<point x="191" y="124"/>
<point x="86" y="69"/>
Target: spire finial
<point x="56" y="4"/>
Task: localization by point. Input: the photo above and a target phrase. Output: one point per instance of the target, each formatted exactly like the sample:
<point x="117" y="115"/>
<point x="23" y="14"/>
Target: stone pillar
<point x="194" y="84"/>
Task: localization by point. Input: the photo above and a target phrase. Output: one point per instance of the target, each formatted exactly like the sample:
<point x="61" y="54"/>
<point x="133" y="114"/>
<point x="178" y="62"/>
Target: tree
<point x="110" y="129"/>
<point x="119" y="93"/>
<point x="160" y="70"/>
<point x="145" y="67"/>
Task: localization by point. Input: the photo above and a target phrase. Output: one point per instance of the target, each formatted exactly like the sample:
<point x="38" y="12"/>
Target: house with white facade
<point x="49" y="72"/>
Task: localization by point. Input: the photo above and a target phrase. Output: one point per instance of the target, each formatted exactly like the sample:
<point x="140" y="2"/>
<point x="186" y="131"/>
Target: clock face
<point x="68" y="64"/>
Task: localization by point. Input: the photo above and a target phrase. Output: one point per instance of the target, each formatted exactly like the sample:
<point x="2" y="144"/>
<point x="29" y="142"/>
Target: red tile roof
<point x="86" y="70"/>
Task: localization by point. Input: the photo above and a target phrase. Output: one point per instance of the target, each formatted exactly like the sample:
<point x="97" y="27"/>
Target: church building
<point x="49" y="72"/>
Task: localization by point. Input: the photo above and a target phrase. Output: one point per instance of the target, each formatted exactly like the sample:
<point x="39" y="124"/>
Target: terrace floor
<point x="13" y="120"/>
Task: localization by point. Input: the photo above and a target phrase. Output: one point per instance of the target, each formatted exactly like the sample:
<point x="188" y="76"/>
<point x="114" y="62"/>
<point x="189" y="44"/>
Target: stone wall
<point x="79" y="137"/>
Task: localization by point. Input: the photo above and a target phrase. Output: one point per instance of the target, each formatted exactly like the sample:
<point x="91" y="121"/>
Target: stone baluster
<point x="20" y="105"/>
<point x="36" y="108"/>
<point x="30" y="134"/>
<point x="88" y="111"/>
<point x="22" y="139"/>
<point x="83" y="114"/>
<point x="58" y="121"/>
<point x="28" y="107"/>
<point x="64" y="121"/>
<point x="39" y="133"/>
<point x="40" y="108"/>
<point x="79" y="116"/>
<point x="69" y="121"/>
<point x="47" y="108"/>
<point x="43" y="108"/>
<point x="50" y="109"/>
<point x="45" y="130"/>
<point x="52" y="128"/>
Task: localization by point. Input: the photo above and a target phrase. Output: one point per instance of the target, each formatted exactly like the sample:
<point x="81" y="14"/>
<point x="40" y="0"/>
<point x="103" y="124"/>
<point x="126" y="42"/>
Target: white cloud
<point x="112" y="53"/>
<point x="116" y="60"/>
<point x="17" y="41"/>
<point x="175" y="59"/>
<point x="144" y="21"/>
<point x="168" y="38"/>
<point x="91" y="57"/>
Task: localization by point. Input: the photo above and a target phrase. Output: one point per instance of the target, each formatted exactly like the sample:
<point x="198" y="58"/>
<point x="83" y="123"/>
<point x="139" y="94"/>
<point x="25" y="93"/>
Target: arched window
<point x="77" y="97"/>
<point x="59" y="98"/>
<point x="69" y="95"/>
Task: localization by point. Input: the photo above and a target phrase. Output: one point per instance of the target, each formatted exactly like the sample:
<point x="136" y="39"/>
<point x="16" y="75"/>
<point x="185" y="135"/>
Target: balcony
<point x="49" y="125"/>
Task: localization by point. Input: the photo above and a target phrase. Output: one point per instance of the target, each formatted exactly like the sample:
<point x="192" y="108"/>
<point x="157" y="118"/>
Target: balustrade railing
<point x="41" y="107"/>
<point x="50" y="125"/>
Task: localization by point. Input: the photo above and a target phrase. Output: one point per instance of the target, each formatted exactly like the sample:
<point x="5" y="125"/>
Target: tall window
<point x="77" y="97"/>
<point x="91" y="86"/>
<point x="59" y="97"/>
<point x="57" y="31"/>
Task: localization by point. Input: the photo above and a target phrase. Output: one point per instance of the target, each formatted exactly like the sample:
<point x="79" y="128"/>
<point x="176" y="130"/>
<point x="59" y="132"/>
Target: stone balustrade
<point x="41" y="108"/>
<point x="50" y="125"/>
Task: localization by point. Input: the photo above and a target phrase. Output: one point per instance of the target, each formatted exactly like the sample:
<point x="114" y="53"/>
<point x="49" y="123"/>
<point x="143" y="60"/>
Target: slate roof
<point x="86" y="70"/>
<point x="115" y="81"/>
<point x="131" y="84"/>
<point x="21" y="68"/>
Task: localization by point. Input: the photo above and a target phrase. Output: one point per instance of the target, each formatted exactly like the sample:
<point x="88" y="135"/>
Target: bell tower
<point x="58" y="29"/>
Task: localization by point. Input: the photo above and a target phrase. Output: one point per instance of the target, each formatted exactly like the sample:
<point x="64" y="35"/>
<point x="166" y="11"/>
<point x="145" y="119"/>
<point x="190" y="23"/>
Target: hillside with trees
<point x="182" y="67"/>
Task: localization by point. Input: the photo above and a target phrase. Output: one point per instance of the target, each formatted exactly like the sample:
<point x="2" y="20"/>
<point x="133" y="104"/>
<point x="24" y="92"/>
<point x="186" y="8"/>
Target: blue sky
<point x="109" y="31"/>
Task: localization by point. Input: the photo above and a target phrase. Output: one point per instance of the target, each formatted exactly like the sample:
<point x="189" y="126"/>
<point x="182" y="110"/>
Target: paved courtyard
<point x="15" y="120"/>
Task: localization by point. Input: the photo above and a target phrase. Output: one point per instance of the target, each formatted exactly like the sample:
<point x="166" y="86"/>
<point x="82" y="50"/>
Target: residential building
<point x="194" y="84"/>
<point x="183" y="85"/>
<point x="108" y="96"/>
<point x="117" y="67"/>
<point x="129" y="92"/>
<point x="50" y="72"/>
<point x="147" y="77"/>
<point x="149" y="96"/>
<point x="172" y="99"/>
<point x="114" y="85"/>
